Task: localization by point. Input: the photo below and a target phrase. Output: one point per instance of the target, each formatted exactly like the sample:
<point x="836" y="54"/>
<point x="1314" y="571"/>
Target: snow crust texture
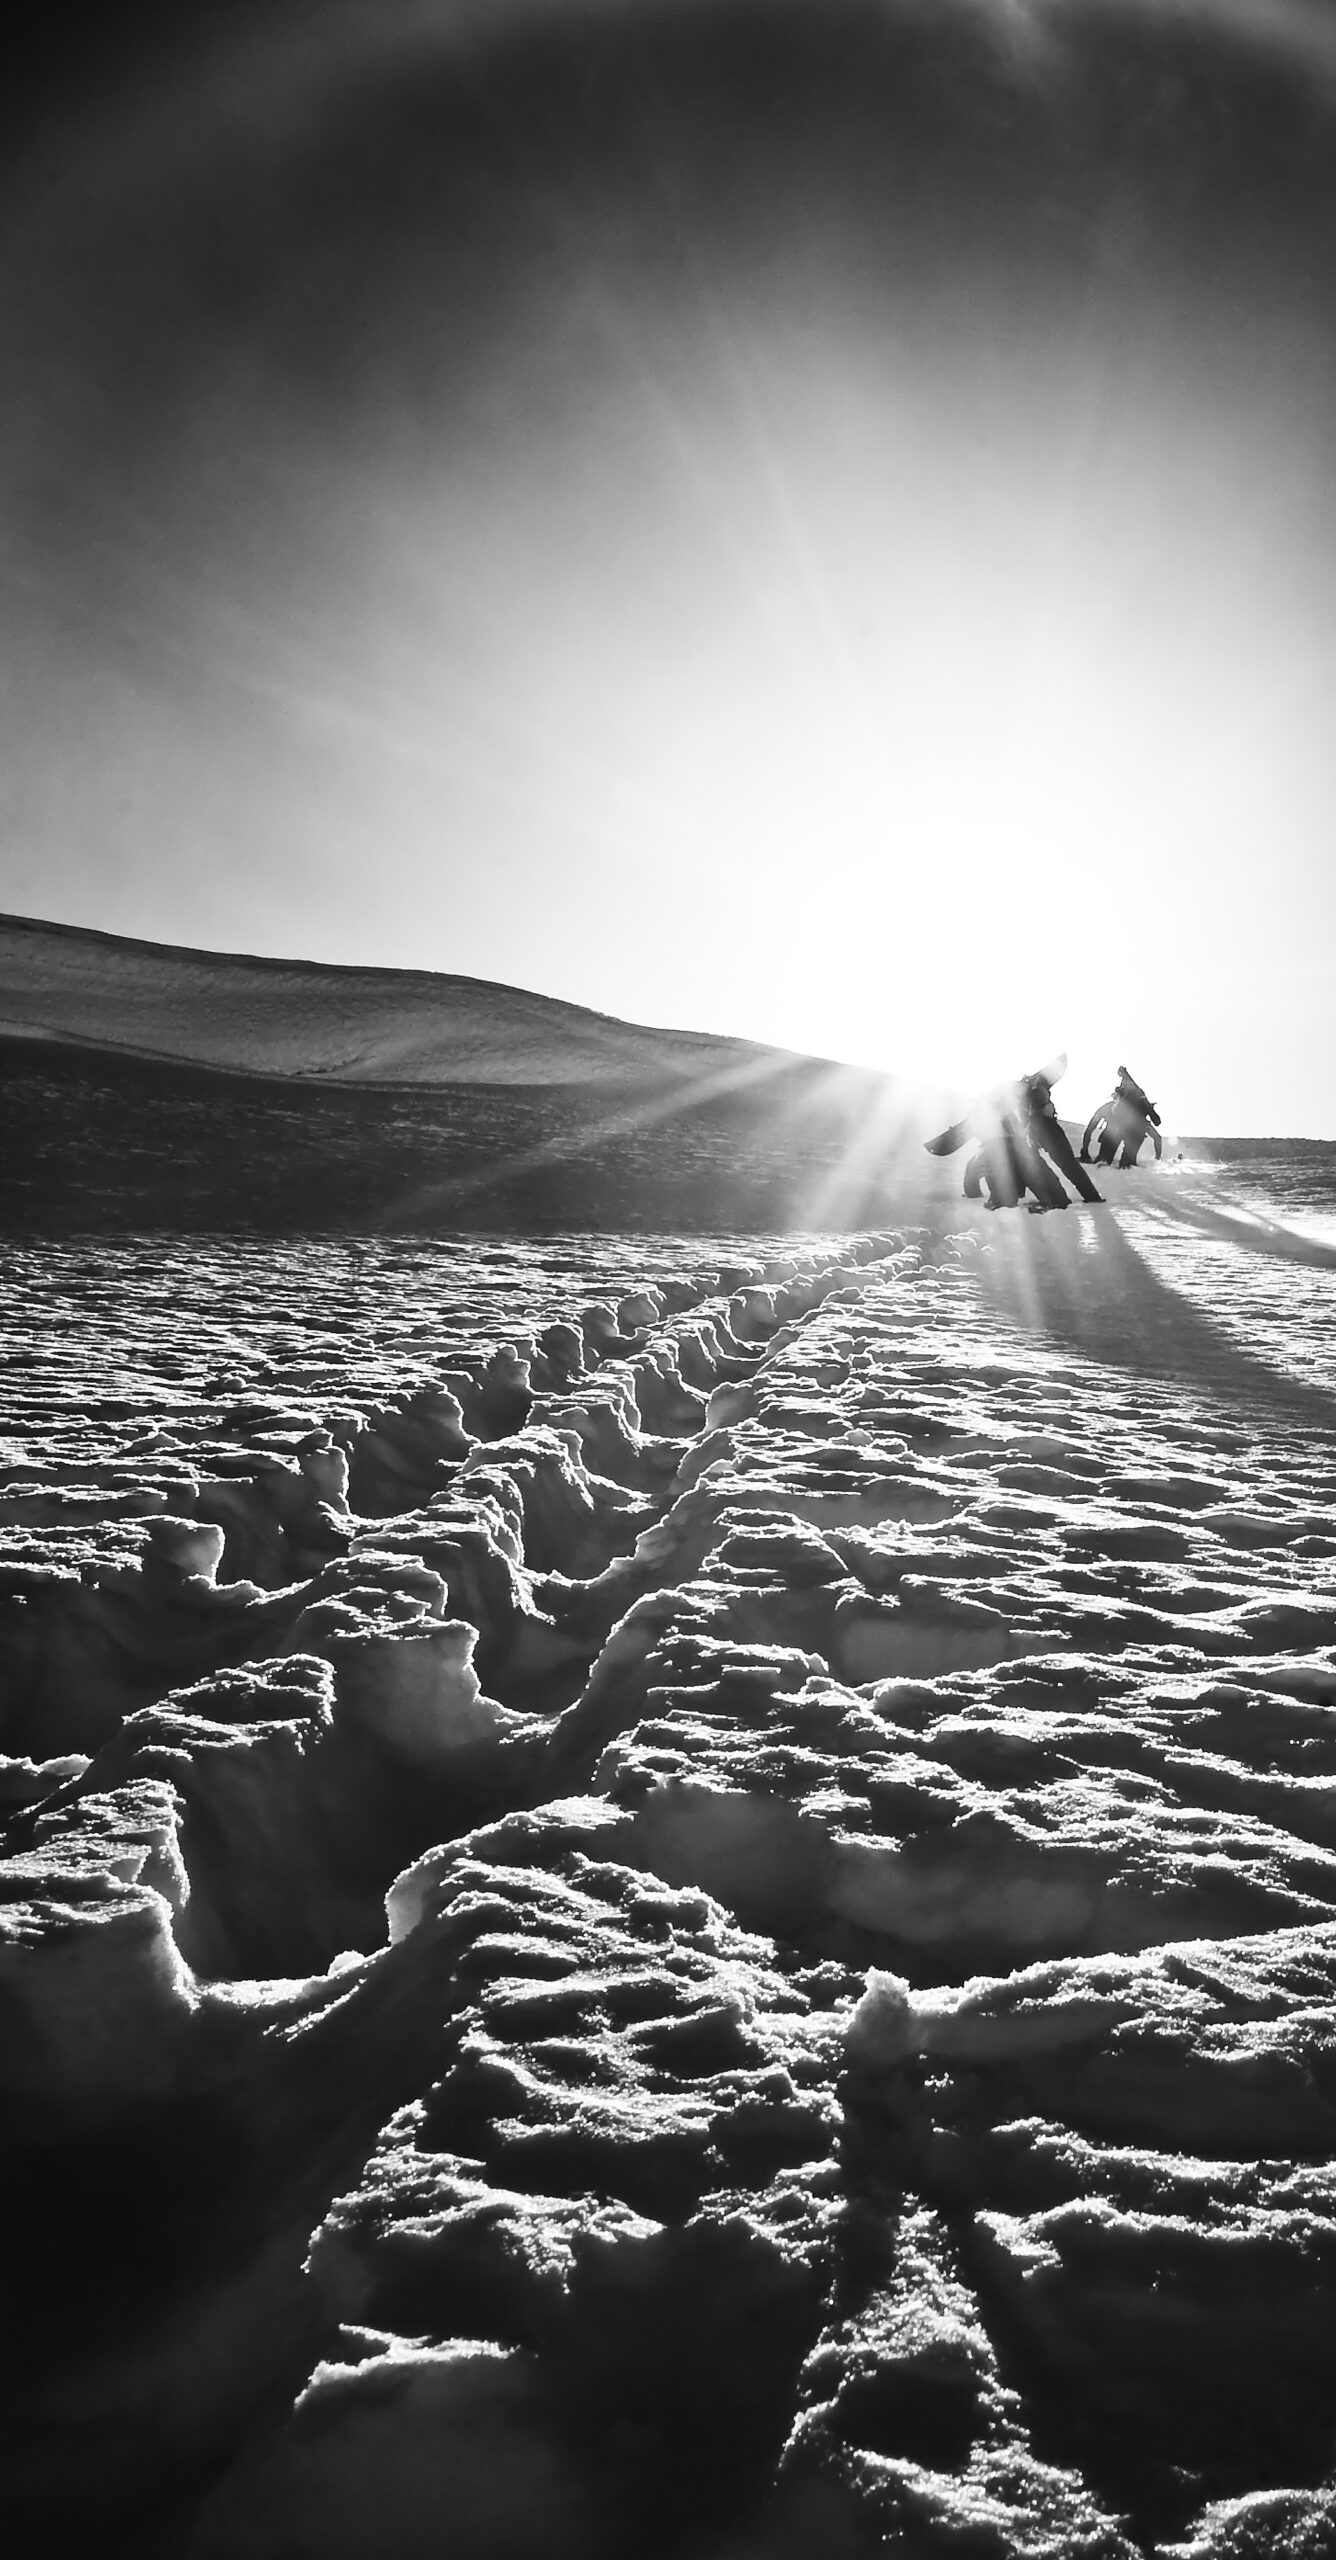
<point x="665" y="1897"/>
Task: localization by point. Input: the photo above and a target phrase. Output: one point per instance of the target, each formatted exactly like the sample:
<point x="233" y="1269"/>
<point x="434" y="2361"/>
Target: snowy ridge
<point x="148" y="1088"/>
<point x="343" y="1025"/>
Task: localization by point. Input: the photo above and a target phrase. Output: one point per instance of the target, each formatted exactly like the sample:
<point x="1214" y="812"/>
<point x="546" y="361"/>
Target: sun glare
<point x="936" y="737"/>
<point x="776" y="581"/>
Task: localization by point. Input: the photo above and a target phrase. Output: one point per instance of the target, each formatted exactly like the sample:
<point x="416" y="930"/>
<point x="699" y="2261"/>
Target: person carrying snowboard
<point x="1046" y="1132"/>
<point x="1022" y="1146"/>
<point x="1125" y="1121"/>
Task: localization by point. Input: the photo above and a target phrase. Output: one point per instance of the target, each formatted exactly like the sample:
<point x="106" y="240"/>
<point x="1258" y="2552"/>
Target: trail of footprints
<point x="711" y="1936"/>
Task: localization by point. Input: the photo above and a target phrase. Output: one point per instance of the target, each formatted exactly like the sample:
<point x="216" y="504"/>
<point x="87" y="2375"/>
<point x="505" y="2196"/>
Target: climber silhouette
<point x="1022" y="1146"/>
<point x="1124" y="1122"/>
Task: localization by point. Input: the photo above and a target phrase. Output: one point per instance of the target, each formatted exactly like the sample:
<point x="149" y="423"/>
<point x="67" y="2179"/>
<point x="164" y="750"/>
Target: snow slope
<point x="671" y="1897"/>
<point x="341" y="1025"/>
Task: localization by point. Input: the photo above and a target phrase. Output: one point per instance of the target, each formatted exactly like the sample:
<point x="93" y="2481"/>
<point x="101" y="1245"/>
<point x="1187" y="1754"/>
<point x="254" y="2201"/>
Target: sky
<point x="809" y="521"/>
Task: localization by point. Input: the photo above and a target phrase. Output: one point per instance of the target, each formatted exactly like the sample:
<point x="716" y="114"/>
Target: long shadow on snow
<point x="1079" y="1280"/>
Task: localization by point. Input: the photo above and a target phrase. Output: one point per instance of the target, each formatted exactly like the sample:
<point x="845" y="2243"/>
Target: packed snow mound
<point x="346" y="1025"/>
